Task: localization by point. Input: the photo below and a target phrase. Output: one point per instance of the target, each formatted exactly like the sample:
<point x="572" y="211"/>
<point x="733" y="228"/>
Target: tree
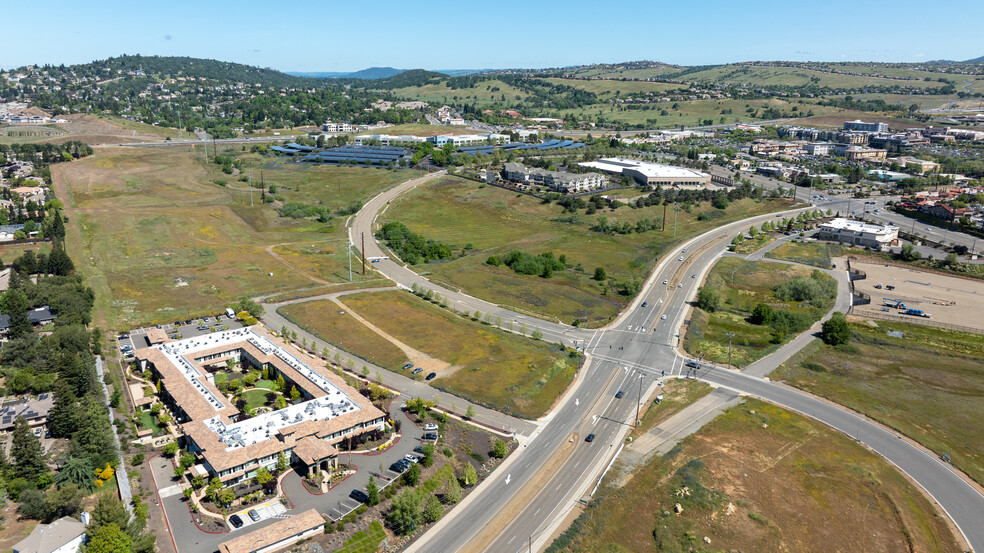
<point x="452" y="491"/>
<point x="226" y="496"/>
<point x="762" y="314"/>
<point x="110" y="510"/>
<point x="470" y="412"/>
<point x="281" y="402"/>
<point x="468" y="475"/>
<point x="282" y="462"/>
<point x="835" y="330"/>
<point x="499" y="449"/>
<point x="33" y="505"/>
<point x="951" y="260"/>
<point x="433" y="510"/>
<point x="294" y="394"/>
<point x="537" y="334"/>
<point x="77" y="471"/>
<point x="372" y="490"/>
<point x="405" y="515"/>
<point x="708" y="299"/>
<point x="14" y="304"/>
<point x="26" y="450"/>
<point x="428" y="458"/>
<point x="412" y="476"/>
<point x="108" y="538"/>
<point x="170" y="448"/>
<point x="63" y="418"/>
<point x="281" y="384"/>
<point x="262" y="476"/>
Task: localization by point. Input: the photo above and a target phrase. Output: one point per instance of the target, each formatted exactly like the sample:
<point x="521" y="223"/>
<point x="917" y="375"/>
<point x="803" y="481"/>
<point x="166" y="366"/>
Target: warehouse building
<point x="651" y="174"/>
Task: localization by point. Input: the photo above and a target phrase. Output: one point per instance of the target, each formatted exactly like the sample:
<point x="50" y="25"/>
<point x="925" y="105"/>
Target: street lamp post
<point x="730" y="336"/>
<point x="639" y="401"/>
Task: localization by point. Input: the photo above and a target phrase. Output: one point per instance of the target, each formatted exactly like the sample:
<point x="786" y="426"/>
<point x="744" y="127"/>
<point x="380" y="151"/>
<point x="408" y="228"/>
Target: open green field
<point x="795" y="76"/>
<point x="760" y="478"/>
<point x="255" y="398"/>
<point x="482" y="93"/>
<point x="743" y="285"/>
<point x="158" y="240"/>
<point x="752" y="245"/>
<point x="928" y="385"/>
<point x="332" y="323"/>
<point x="495" y="221"/>
<point x="488" y="366"/>
<point x="142" y="128"/>
<point x="10" y="252"/>
<point x="619" y="72"/>
<point x="817" y="254"/>
<point x="606" y="89"/>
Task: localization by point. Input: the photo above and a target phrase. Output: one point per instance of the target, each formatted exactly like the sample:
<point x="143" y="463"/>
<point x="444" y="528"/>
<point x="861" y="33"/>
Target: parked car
<point x="235" y="521"/>
<point x="430" y="426"/>
<point x="431" y="376"/>
<point x="418" y="370"/>
<point x="430" y="436"/>
<point x="408" y="366"/>
<point x="590" y="438"/>
<point x="411" y="458"/>
<point x="254" y="515"/>
<point x="359" y="496"/>
<point x="419" y="449"/>
<point x="619" y="394"/>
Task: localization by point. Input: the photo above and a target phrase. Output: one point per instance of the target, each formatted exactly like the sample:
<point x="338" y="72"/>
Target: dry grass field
<point x="759" y="478"/>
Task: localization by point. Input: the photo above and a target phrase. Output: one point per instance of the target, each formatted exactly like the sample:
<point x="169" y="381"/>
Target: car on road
<point x="645" y="303"/>
<point x="693" y="275"/>
<point x="359" y="496"/>
<point x="418" y="370"/>
<point x="431" y="376"/>
<point x="680" y="258"/>
<point x="619" y="394"/>
<point x="590" y="438"/>
<point x="663" y="317"/>
<point x="408" y="366"/>
<point x="253" y="515"/>
<point x="929" y="229"/>
<point x="235" y="521"/>
<point x="430" y="426"/>
<point x="680" y="285"/>
<point x="375" y="261"/>
<point x="692" y="364"/>
<point x="667" y="281"/>
<point x="429" y="436"/>
<point x="684" y="250"/>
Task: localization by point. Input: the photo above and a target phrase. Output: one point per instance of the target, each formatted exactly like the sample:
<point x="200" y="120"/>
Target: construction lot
<point x="950" y="300"/>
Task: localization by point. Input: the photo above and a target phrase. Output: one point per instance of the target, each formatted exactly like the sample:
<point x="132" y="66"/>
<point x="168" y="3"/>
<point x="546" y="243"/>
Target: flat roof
<point x="857" y="226"/>
<point x="649" y="169"/>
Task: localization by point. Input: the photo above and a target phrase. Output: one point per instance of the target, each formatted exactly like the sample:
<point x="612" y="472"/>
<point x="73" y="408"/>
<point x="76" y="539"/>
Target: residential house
<point x="34" y="411"/>
<point x="65" y="535"/>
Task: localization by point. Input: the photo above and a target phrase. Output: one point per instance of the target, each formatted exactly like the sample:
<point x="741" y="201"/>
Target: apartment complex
<point x="859" y="125"/>
<point x="232" y="447"/>
<point x="560" y="181"/>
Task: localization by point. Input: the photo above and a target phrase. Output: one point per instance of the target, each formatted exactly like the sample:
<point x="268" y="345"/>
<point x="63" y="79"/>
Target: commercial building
<point x="337" y="127"/>
<point x="232" y="447"/>
<point x="64" y="535"/>
<point x="859" y="125"/>
<point x="861" y="153"/>
<point x="921" y="166"/>
<point x="277" y="535"/>
<point x="858" y="233"/>
<point x="650" y="174"/>
<point x="820" y="149"/>
<point x="560" y="181"/>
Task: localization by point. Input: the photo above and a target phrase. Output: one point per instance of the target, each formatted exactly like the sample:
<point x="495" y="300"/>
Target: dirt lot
<point x="950" y="300"/>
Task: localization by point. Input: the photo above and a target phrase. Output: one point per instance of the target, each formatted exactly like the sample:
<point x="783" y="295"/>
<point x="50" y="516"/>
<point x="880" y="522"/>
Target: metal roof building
<point x="650" y="174"/>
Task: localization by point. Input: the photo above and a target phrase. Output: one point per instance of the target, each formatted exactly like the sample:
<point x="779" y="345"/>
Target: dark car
<point x="235" y="521"/>
<point x="692" y="364"/>
<point x="645" y="303"/>
<point x="590" y="438"/>
<point x="187" y="321"/>
<point x="177" y="323"/>
<point x="430" y="436"/>
<point x="619" y="394"/>
<point x="359" y="496"/>
<point x="431" y="376"/>
<point x="419" y="449"/>
<point x="254" y="515"/>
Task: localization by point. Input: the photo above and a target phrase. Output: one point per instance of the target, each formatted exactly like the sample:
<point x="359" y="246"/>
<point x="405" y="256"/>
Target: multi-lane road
<point x="527" y="497"/>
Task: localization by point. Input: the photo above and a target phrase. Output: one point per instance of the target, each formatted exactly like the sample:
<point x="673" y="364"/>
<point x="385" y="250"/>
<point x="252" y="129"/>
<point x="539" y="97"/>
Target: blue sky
<point x="331" y="35"/>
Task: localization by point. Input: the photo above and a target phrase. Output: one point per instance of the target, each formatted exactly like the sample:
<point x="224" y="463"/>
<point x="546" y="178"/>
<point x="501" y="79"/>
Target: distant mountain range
<point x="374" y="73"/>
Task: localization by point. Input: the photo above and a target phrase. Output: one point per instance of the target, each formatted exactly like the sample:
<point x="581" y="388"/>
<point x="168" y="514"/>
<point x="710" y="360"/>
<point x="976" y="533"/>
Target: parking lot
<point x="271" y="509"/>
<point x="189" y="328"/>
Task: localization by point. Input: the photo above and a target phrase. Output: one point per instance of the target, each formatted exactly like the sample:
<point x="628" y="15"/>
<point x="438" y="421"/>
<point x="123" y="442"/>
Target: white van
<point x="230" y="313"/>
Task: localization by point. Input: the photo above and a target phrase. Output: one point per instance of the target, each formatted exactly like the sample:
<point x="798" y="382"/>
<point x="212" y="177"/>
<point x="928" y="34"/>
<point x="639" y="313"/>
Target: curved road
<point x="530" y="493"/>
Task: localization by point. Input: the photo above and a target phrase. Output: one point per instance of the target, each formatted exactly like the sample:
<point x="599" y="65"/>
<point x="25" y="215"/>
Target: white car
<point x="663" y="317"/>
<point x="411" y="458"/>
<point x="666" y="282"/>
<point x="680" y="285"/>
<point x="680" y="258"/>
<point x="430" y="426"/>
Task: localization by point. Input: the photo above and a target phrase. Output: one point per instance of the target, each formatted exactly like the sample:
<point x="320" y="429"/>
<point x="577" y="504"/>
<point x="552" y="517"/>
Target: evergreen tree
<point x="433" y="510"/>
<point x="26" y="450"/>
<point x="63" y="417"/>
<point x="14" y="303"/>
<point x="108" y="538"/>
<point x="452" y="491"/>
<point x="373" y="492"/>
<point x="77" y="471"/>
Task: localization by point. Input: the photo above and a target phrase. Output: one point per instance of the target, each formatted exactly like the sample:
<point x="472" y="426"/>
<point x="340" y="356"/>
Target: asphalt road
<point x="528" y="495"/>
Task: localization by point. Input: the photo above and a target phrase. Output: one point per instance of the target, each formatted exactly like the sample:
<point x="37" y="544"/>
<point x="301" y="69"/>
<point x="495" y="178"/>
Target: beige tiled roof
<point x="274" y="533"/>
<point x="183" y="392"/>
<point x="156" y="336"/>
<point x="312" y="450"/>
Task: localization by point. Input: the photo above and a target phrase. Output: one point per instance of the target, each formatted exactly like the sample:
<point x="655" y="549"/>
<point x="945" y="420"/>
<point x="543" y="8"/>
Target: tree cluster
<point x="410" y="246"/>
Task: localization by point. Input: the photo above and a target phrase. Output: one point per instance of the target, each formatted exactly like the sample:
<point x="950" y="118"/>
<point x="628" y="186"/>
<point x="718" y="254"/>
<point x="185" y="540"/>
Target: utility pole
<point x="730" y="336"/>
<point x="250" y="177"/>
<point x="639" y="402"/>
<point x="664" y="217"/>
<point x="675" y="211"/>
<point x="363" y="254"/>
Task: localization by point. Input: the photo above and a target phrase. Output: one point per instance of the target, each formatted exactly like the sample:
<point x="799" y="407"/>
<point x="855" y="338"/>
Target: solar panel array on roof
<point x="358" y="154"/>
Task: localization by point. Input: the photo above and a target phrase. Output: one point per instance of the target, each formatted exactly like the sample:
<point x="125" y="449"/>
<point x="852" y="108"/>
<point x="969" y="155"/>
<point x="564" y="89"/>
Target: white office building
<point x="650" y="174"/>
<point x="858" y="233"/>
